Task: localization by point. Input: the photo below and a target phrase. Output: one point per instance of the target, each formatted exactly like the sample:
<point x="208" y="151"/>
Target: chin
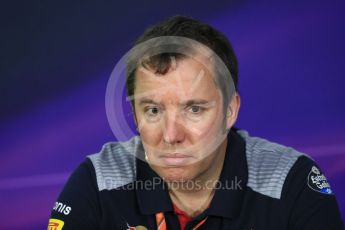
<point x="175" y="174"/>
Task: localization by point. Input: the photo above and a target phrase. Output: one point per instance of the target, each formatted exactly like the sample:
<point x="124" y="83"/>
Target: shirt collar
<point x="153" y="197"/>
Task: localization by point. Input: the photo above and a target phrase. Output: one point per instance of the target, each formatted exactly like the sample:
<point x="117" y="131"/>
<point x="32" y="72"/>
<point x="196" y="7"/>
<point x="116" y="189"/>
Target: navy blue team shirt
<point x="262" y="186"/>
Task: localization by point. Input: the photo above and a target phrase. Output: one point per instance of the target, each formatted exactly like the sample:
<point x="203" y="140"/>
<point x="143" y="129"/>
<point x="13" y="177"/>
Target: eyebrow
<point x="195" y="102"/>
<point x="186" y="103"/>
<point x="147" y="101"/>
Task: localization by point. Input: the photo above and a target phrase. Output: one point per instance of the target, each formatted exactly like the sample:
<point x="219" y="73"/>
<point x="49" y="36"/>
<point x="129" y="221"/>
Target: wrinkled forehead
<point x="185" y="79"/>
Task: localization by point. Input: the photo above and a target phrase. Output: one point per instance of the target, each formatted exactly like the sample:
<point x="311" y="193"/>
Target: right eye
<point x="152" y="113"/>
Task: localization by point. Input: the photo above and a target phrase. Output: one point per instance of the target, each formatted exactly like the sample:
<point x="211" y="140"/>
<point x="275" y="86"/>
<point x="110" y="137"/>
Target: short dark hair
<point x="189" y="28"/>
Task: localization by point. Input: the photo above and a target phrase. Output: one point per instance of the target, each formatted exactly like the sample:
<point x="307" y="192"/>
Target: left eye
<point x="195" y="109"/>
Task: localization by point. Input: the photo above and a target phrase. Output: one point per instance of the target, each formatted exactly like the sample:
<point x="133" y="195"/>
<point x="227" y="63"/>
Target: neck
<point x="195" y="201"/>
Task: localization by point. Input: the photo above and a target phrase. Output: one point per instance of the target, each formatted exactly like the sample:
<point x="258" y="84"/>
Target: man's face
<point x="180" y="119"/>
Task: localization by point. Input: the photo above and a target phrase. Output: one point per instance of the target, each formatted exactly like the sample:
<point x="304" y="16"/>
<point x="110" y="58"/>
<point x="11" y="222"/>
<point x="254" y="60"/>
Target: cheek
<point x="151" y="134"/>
<point x="206" y="127"/>
<point x="209" y="138"/>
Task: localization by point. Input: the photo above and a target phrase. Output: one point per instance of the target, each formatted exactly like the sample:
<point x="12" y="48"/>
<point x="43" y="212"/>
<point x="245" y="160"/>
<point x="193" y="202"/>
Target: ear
<point x="232" y="110"/>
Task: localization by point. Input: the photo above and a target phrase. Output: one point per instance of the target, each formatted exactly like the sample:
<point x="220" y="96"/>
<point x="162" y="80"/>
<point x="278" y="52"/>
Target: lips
<point x="175" y="155"/>
<point x="175" y="159"/>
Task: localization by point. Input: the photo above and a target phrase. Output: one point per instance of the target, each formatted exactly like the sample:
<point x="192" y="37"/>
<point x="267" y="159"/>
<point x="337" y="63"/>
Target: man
<point x="189" y="168"/>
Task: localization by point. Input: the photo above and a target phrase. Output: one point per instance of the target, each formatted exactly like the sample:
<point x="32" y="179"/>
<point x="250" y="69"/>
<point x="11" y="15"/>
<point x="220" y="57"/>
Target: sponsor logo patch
<point x="62" y="208"/>
<point x="139" y="227"/>
<point x="55" y="224"/>
<point x="318" y="182"/>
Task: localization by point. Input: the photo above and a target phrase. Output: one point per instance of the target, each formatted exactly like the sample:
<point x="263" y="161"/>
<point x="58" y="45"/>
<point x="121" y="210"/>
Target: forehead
<point x="187" y="77"/>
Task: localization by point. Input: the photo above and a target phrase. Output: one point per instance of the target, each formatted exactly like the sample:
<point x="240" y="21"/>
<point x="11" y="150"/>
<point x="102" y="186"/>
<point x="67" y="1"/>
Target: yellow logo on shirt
<point x="139" y="227"/>
<point x="55" y="224"/>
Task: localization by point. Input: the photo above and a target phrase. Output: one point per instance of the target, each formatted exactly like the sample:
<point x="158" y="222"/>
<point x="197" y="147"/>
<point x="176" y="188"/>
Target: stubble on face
<point x="177" y="130"/>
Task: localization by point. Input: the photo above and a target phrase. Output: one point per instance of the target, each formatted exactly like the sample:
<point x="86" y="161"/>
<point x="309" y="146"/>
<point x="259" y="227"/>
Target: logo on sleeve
<point x="318" y="182"/>
<point x="139" y="227"/>
<point x="55" y="224"/>
<point x="62" y="208"/>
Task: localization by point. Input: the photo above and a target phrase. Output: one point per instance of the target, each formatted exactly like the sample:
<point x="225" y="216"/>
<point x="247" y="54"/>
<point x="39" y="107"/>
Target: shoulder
<point x="269" y="164"/>
<point x="115" y="164"/>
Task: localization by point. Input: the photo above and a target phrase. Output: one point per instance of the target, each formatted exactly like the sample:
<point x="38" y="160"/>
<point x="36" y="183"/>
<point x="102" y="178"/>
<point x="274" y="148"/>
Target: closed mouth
<point x="176" y="159"/>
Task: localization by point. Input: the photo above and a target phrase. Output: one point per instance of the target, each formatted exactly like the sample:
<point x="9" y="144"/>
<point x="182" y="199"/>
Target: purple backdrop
<point x="57" y="58"/>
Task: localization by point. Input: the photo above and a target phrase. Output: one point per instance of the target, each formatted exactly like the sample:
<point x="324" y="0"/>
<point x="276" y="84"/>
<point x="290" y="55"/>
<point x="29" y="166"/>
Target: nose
<point x="173" y="129"/>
